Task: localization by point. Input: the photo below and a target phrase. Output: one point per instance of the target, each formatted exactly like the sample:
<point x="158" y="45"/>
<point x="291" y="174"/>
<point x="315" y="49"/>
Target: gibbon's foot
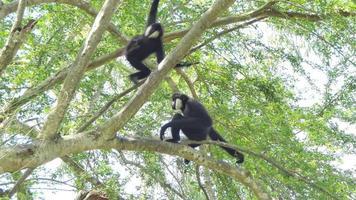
<point x="172" y="140"/>
<point x="240" y="158"/>
<point x="186" y="161"/>
<point x="134" y="79"/>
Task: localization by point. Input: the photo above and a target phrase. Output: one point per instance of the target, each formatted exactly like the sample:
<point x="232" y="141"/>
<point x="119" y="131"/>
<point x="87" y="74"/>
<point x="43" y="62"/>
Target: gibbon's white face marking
<point x="178" y="104"/>
<point x="154" y="35"/>
<point x="148" y="30"/>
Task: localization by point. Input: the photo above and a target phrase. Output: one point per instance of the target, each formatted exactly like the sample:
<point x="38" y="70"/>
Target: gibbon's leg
<point x="143" y="70"/>
<point x="175" y="130"/>
<point x="160" y="52"/>
<point x="185" y="123"/>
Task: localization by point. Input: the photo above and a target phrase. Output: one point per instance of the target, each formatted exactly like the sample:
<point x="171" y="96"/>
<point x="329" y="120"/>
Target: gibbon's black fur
<point x="195" y="123"/>
<point x="141" y="46"/>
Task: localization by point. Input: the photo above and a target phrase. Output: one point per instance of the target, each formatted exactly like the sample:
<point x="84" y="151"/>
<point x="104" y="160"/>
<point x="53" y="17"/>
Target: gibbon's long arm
<point x="152" y="17"/>
<point x="160" y="54"/>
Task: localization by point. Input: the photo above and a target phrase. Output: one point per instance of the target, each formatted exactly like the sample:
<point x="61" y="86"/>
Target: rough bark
<point x="18" y="36"/>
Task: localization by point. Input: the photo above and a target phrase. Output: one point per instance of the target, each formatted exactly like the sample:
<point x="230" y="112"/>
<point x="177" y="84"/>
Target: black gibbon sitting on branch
<point x="141" y="46"/>
<point x="195" y="123"/>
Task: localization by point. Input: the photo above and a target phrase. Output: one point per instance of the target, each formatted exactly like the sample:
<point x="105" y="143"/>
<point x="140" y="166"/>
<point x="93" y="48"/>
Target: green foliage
<point x="282" y="88"/>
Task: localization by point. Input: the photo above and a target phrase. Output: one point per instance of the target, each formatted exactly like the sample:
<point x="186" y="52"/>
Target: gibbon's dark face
<point x="154" y="31"/>
<point x="179" y="101"/>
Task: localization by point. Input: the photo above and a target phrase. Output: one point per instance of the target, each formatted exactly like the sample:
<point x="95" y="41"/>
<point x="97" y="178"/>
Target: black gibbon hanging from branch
<point x="141" y="46"/>
<point x="195" y="123"/>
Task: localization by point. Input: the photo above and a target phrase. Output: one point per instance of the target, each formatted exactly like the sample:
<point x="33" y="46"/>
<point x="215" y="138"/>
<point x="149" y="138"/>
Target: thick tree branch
<point x="29" y="156"/>
<point x="77" y="168"/>
<point x="72" y="80"/>
<point x="306" y="16"/>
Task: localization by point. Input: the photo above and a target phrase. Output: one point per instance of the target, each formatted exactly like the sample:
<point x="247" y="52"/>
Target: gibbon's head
<point x="178" y="101"/>
<point x="154" y="31"/>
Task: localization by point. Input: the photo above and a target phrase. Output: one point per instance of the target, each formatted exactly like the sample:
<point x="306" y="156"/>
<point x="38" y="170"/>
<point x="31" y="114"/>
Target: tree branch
<point x="38" y="153"/>
<point x="260" y="13"/>
<point x="218" y="35"/>
<point x="26" y="174"/>
<point x="15" y="39"/>
<point x="72" y="80"/>
<point x="92" y="195"/>
<point x="107" y="106"/>
<point x="270" y="161"/>
<point x="188" y="81"/>
<point x="264" y="11"/>
<point x="161" y="182"/>
<point x="306" y="16"/>
<point x="15" y="126"/>
<point x="197" y="174"/>
<point x="20" y="11"/>
<point x="81" y="4"/>
<point x="17" y="36"/>
<point x="54" y="80"/>
<point x="80" y="172"/>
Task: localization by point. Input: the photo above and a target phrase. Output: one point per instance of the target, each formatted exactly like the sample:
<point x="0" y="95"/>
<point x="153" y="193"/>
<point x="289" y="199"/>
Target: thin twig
<point x="107" y="106"/>
<point x="226" y="32"/>
<point x="197" y="173"/>
<point x="26" y="174"/>
<point x="162" y="183"/>
<point x="79" y="170"/>
<point x="189" y="83"/>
